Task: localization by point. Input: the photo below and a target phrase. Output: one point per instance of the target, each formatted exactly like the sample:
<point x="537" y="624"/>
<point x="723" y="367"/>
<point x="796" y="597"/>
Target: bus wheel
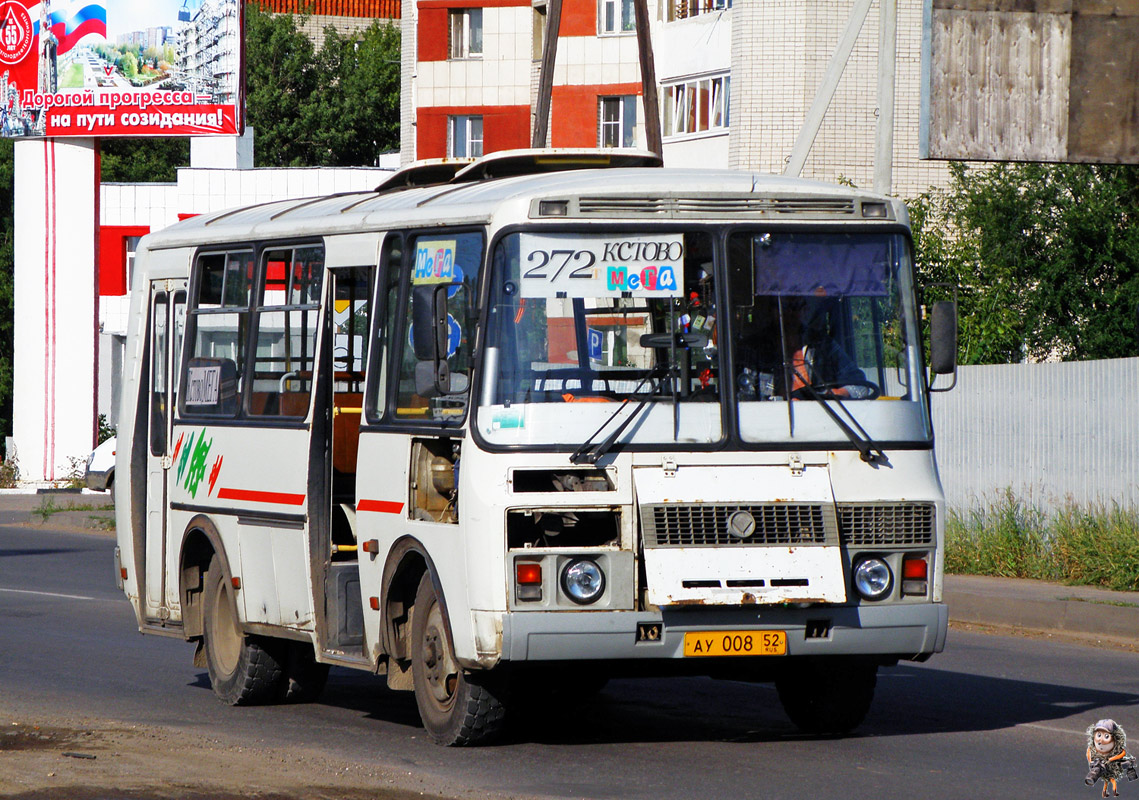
<point x="244" y="670"/>
<point x="457" y="708"/>
<point x="828" y="696"/>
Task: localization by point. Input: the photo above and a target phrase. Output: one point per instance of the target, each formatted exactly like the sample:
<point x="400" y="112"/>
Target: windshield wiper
<point x="870" y="452"/>
<point x="591" y="453"/>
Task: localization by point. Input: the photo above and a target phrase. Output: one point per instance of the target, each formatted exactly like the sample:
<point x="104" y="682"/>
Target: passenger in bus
<point x="801" y="341"/>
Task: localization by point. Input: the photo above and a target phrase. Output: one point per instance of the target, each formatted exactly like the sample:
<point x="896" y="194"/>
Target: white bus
<point x="528" y="423"/>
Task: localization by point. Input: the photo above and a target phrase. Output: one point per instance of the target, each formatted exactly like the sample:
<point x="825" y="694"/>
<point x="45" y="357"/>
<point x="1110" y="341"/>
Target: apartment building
<point x="735" y="81"/>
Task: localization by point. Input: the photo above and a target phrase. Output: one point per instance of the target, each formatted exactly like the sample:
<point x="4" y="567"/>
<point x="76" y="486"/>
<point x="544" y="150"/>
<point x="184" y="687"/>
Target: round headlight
<point x="872" y="578"/>
<point x="583" y="581"/>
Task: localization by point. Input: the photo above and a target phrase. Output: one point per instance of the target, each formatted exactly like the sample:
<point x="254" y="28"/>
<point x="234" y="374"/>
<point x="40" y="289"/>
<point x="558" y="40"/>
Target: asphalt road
<point x="992" y="715"/>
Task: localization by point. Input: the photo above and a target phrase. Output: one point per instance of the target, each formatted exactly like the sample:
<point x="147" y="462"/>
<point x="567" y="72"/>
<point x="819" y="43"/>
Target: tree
<point x="142" y="160"/>
<point x="128" y="65"/>
<point x="359" y="119"/>
<point x="1046" y="258"/>
<point x="281" y="79"/>
<point x="338" y="106"/>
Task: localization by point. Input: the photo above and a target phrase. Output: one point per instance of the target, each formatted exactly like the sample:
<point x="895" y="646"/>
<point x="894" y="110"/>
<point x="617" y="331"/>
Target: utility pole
<point x="546" y="75"/>
<point x="648" y="77"/>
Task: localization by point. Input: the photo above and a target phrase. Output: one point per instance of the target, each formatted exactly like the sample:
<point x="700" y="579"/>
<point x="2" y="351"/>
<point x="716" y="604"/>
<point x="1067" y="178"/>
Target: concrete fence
<point x="1050" y="432"/>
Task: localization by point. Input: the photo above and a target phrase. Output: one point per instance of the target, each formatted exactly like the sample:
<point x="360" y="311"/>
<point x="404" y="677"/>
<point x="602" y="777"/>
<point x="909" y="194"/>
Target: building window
<point x="466" y="33"/>
<point x="616" y="16"/>
<point x="464" y="137"/>
<point x="683" y="9"/>
<point x="617" y="118"/>
<point x="701" y="105"/>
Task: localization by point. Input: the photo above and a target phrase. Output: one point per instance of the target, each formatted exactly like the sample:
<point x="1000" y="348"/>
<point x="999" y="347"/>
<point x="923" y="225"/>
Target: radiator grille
<point x="886" y="524"/>
<point x="706" y="525"/>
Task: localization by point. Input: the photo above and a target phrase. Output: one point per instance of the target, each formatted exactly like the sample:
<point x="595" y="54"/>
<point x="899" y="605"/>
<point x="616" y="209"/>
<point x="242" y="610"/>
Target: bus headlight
<point x="583" y="581"/>
<point x="872" y="578"/>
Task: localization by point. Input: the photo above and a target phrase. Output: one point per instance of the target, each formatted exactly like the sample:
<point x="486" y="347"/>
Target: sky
<point x="124" y="16"/>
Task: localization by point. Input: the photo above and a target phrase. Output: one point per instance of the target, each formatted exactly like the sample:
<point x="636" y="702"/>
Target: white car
<point x="100" y="474"/>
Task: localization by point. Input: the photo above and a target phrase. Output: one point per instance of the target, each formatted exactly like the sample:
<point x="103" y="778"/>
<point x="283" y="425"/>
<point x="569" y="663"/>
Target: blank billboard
<point x="1031" y="80"/>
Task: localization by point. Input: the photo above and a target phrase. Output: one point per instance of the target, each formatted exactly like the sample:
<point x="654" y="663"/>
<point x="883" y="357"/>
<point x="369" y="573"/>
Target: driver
<point x="815" y="356"/>
<point x="811" y="353"/>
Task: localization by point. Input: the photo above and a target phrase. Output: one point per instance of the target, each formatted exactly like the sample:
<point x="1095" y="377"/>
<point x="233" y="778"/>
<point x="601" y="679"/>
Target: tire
<point x="304" y="676"/>
<point x="457" y="708"/>
<point x="244" y="670"/>
<point x="828" y="696"/>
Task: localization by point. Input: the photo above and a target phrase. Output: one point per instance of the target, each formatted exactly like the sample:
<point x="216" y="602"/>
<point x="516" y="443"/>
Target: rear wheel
<point x="457" y="708"/>
<point x="244" y="670"/>
<point x="828" y="696"/>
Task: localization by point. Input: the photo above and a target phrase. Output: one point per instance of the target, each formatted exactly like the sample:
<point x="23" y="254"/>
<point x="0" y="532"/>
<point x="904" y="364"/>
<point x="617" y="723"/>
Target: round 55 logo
<point x="15" y="32"/>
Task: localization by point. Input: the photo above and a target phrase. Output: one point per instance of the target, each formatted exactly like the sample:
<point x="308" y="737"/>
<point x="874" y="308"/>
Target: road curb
<point x="1042" y="606"/>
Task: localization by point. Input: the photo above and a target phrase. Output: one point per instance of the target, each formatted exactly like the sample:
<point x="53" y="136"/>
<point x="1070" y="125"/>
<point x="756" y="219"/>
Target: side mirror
<point x="429" y="321"/>
<point x="943" y="339"/>
<point x="431" y="338"/>
<point x="432" y="378"/>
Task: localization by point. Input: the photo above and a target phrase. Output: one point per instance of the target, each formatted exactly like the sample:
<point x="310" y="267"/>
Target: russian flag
<point x="72" y="24"/>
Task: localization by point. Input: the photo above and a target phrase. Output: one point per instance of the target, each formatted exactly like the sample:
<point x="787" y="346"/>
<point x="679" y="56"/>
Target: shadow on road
<point x="910" y="700"/>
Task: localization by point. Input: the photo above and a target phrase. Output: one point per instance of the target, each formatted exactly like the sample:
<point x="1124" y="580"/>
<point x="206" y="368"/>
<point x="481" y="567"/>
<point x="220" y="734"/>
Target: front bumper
<point x="98" y="481"/>
<point x="900" y="630"/>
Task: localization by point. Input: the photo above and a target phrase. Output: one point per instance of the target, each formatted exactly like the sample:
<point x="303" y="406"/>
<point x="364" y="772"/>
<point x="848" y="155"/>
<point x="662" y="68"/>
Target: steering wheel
<point x="826" y="390"/>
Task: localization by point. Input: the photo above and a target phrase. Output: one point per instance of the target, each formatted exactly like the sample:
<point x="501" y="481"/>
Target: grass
<point x="1088" y="546"/>
<point x="48" y="508"/>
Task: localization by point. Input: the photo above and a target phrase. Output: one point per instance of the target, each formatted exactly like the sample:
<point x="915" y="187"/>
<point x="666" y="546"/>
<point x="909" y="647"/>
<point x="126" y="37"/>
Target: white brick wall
<point x="780" y="50"/>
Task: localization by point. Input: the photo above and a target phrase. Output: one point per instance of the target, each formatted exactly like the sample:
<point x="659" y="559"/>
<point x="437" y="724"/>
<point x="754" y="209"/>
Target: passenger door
<point x="167" y="310"/>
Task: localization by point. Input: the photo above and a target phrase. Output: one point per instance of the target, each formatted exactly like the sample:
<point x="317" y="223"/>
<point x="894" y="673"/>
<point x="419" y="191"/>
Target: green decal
<point x="197" y="469"/>
<point x="185" y="459"/>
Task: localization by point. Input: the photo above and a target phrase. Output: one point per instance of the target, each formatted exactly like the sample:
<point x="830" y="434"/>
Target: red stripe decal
<point x="381" y="506"/>
<point x="253" y="496"/>
<point x="54" y="253"/>
<point x="47" y="303"/>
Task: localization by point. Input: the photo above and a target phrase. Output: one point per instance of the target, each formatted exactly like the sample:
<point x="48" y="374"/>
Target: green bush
<point x="1012" y="538"/>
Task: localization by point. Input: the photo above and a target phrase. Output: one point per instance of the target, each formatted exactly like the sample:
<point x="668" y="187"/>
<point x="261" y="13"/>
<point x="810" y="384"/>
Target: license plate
<point x="735" y="643"/>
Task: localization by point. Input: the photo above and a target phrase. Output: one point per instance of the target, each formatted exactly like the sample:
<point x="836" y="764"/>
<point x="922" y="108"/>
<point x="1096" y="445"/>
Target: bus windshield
<point x="591" y="322"/>
<point x="617" y="336"/>
<point x="824" y="316"/>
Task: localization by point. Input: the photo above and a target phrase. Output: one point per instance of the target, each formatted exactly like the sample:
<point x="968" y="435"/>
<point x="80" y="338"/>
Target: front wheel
<point x="828" y="696"/>
<point x="457" y="708"/>
<point x="244" y="670"/>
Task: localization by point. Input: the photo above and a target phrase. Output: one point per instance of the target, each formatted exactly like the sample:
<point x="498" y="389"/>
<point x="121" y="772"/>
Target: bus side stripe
<point x="254" y="496"/>
<point x="381" y="506"/>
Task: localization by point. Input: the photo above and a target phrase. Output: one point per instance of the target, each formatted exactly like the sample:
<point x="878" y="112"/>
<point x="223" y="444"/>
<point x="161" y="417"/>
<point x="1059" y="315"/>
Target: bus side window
<point x="286" y="321"/>
<point x="441" y="258"/>
<point x="217" y="326"/>
<point x="158" y="409"/>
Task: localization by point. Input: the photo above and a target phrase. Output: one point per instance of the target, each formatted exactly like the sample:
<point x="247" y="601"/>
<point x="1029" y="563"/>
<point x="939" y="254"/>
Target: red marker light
<point x="914" y="569"/>
<point x="528" y="572"/>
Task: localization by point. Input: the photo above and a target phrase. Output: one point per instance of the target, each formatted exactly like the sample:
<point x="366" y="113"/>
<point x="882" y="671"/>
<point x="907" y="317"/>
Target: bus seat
<point x="293" y="404"/>
<point x="346" y="430"/>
